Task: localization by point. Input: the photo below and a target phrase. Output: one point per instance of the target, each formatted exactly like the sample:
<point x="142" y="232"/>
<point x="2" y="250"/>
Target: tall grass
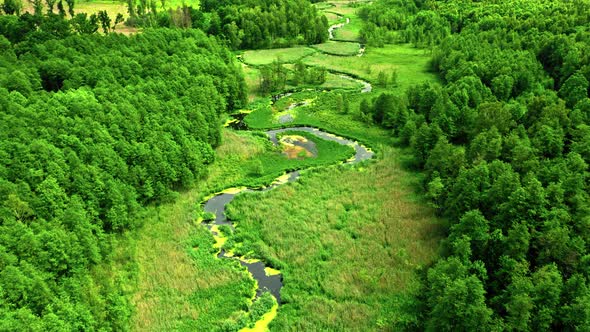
<point x="283" y="55"/>
<point x="348" y="242"/>
<point x="411" y="64"/>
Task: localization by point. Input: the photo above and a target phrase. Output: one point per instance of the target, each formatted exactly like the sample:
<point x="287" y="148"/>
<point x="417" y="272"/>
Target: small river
<point x="217" y="204"/>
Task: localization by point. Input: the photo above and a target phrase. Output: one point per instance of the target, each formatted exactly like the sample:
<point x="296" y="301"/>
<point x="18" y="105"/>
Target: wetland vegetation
<point x="294" y="165"/>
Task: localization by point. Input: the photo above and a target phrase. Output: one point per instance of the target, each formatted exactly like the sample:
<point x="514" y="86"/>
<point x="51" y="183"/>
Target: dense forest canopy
<point x="505" y="143"/>
<point x="91" y="128"/>
<point x="251" y="24"/>
<point x="263" y="24"/>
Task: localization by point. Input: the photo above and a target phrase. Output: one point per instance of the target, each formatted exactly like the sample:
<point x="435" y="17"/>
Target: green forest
<point x="294" y="165"/>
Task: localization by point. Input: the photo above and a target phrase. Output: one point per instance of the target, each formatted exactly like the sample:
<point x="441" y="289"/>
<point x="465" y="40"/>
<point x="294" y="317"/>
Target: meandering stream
<point x="267" y="278"/>
<point x="270" y="281"/>
<point x="336" y="26"/>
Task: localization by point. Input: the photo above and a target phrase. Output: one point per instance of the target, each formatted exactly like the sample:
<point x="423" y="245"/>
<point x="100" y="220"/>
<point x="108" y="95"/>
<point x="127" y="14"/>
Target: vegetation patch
<point x="410" y="65"/>
<point x="296" y="146"/>
<point x="282" y="55"/>
<point x="352" y="254"/>
<point x="337" y="112"/>
<point x="338" y="48"/>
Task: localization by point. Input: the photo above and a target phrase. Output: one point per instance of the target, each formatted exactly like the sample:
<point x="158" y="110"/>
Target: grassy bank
<point x="338" y="48"/>
<point x="180" y="285"/>
<point x="283" y="55"/>
<point x="348" y="257"/>
<point x="411" y="64"/>
<point x="324" y="111"/>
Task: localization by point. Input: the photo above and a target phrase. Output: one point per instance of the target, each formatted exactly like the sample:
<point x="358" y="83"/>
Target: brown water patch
<point x="297" y="147"/>
<point x="296" y="152"/>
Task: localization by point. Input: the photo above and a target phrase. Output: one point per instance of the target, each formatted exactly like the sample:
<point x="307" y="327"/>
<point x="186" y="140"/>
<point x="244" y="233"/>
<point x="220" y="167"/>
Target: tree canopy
<point x="91" y="128"/>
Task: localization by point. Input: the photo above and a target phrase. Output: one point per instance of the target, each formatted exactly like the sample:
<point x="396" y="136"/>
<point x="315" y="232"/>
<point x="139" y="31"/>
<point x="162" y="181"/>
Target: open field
<point x="410" y="63"/>
<point x="113" y="8"/>
<point x="350" y="31"/>
<point x="335" y="81"/>
<point x="283" y="55"/>
<point x="338" y="48"/>
<point x="343" y="7"/>
<point x="333" y="18"/>
<point x="252" y="78"/>
<point x="348" y="258"/>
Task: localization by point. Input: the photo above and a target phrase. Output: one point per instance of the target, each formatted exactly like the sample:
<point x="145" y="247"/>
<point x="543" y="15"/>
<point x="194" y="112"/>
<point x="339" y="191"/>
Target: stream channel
<point x="269" y="281"/>
<point x="273" y="282"/>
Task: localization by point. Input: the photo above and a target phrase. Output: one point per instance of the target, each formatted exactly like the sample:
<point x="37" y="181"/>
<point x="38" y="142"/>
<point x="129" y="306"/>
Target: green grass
<point x="410" y="63"/>
<point x="323" y="5"/>
<point x="343" y="7"/>
<point x="181" y="285"/>
<point x="334" y="81"/>
<point x="283" y="55"/>
<point x="350" y="31"/>
<point x="252" y="78"/>
<point x="348" y="255"/>
<point x="178" y="3"/>
<point x="245" y="172"/>
<point x="113" y="7"/>
<point x="332" y="18"/>
<point x="338" y="48"/>
<point x="321" y="113"/>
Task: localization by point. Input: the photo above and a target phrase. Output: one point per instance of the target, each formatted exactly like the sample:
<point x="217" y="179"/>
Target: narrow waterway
<point x="271" y="282"/>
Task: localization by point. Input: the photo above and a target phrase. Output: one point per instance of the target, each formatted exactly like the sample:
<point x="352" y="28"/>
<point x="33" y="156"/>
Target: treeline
<point x="251" y="24"/>
<point x="91" y="128"/>
<point x="256" y="24"/>
<point x="274" y="77"/>
<point x="505" y="145"/>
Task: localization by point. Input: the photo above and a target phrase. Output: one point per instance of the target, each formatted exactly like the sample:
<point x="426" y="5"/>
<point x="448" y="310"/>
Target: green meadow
<point x="349" y="259"/>
<point x="338" y="48"/>
<point x="411" y="64"/>
<point x="283" y="55"/>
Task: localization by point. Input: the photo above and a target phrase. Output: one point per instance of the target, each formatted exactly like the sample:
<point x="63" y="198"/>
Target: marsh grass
<point x="283" y="55"/>
<point x="411" y="64"/>
<point x="332" y="17"/>
<point x="335" y="81"/>
<point x="181" y="285"/>
<point x="241" y="168"/>
<point x="321" y="113"/>
<point x="338" y="48"/>
<point x="348" y="242"/>
<point x="350" y="31"/>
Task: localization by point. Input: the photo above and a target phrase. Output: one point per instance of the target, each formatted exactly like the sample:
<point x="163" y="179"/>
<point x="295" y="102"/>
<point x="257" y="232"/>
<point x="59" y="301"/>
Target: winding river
<point x="336" y="26"/>
<point x="271" y="282"/>
<point x="267" y="278"/>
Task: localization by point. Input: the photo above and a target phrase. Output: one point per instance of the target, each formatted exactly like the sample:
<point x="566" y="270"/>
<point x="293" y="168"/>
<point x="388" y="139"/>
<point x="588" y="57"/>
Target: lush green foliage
<point x="271" y="164"/>
<point x="348" y="259"/>
<point x="334" y="111"/>
<point x="410" y="65"/>
<point x="504" y="143"/>
<point x="338" y="48"/>
<point x="282" y="55"/>
<point x="91" y="127"/>
<point x="264" y="24"/>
